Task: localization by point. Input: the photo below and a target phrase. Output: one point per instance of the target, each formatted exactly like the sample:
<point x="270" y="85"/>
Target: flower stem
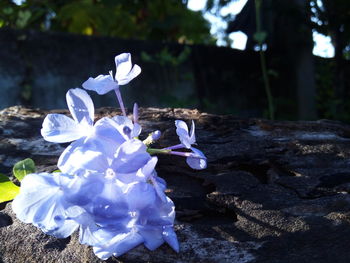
<point x="155" y="151"/>
<point x="120" y="100"/>
<point x="263" y="60"/>
<point x="177" y="146"/>
<point x="135" y="113"/>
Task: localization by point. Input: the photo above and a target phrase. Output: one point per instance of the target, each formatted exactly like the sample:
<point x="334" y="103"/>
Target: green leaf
<point x="23" y="18"/>
<point x="8" y="190"/>
<point x="22" y="168"/>
<point x="57" y="171"/>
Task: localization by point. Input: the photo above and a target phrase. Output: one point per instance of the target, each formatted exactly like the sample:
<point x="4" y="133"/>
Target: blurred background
<point x="251" y="58"/>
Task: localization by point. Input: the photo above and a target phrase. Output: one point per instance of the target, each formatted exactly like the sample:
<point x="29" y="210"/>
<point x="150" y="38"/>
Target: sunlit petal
<point x="101" y="84"/>
<point x="123" y="65"/>
<point x="42" y="202"/>
<point x="60" y="128"/>
<point x="80" y="106"/>
<point x="198" y="162"/>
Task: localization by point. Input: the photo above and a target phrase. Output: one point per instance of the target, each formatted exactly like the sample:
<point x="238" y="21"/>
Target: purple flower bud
<point x="156" y="135"/>
<point x="136" y="113"/>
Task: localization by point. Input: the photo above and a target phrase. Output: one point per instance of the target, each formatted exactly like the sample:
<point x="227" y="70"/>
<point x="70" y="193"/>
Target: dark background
<point x="48" y="47"/>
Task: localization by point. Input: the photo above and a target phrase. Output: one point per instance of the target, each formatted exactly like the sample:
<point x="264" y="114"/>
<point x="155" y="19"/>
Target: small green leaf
<point x="22" y="168"/>
<point x="8" y="190"/>
<point x="57" y="171"/>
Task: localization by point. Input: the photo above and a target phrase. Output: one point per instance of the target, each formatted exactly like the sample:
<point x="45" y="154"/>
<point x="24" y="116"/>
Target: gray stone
<point x="272" y="192"/>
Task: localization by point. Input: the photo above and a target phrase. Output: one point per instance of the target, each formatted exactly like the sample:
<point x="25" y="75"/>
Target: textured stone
<point x="272" y="192"/>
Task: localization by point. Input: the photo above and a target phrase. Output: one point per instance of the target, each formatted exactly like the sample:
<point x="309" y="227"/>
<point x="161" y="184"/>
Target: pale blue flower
<point x="138" y="217"/>
<point x="43" y="202"/>
<point x="92" y="141"/>
<point x="115" y="197"/>
<point x="124" y="74"/>
<point x="195" y="159"/>
<point x="96" y="151"/>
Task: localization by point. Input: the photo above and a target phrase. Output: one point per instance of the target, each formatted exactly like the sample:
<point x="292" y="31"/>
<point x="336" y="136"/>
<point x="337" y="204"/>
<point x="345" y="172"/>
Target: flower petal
<point x="123" y="65"/>
<point x="192" y="134"/>
<point x="80" y="106"/>
<point x="135" y="71"/>
<point x="101" y="84"/>
<point x="171" y="238"/>
<point x="130" y="152"/>
<point x="199" y="162"/>
<point x="152" y="236"/>
<point x="42" y="202"/>
<point x="60" y="128"/>
<point x="147" y="170"/>
<point x="124" y="73"/>
<point x="93" y="153"/>
<point x="79" y="158"/>
<point x="135" y="129"/>
<point x="140" y="195"/>
<point x="181" y="125"/>
<point x="109" y="136"/>
<point x="117" y="244"/>
<point x="182" y="132"/>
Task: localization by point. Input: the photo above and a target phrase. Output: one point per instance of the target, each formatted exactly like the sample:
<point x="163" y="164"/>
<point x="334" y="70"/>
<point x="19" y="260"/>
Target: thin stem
<point x="267" y="84"/>
<point x="120" y="100"/>
<point x="263" y="61"/>
<point x="135" y="113"/>
<point x="156" y="151"/>
<point x="183" y="154"/>
<point x="177" y="146"/>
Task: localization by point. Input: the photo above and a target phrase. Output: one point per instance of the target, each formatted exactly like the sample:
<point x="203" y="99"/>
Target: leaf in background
<point x="22" y="168"/>
<point x="8" y="190"/>
<point x="23" y="18"/>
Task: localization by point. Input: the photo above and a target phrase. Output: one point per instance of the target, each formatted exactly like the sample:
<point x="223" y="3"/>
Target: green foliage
<point x="8" y="190"/>
<point x="22" y="168"/>
<point x="166" y="58"/>
<point x="23" y="18"/>
<point x="156" y="20"/>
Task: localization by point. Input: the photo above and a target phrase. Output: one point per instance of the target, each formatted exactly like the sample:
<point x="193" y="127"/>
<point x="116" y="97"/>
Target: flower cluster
<point x="107" y="186"/>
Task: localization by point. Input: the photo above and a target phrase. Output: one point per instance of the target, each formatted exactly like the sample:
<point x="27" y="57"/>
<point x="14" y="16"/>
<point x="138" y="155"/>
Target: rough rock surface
<point x="272" y="192"/>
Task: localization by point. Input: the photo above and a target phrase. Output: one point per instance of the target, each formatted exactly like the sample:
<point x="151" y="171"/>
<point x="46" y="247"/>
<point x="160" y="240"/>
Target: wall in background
<point x="37" y="69"/>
